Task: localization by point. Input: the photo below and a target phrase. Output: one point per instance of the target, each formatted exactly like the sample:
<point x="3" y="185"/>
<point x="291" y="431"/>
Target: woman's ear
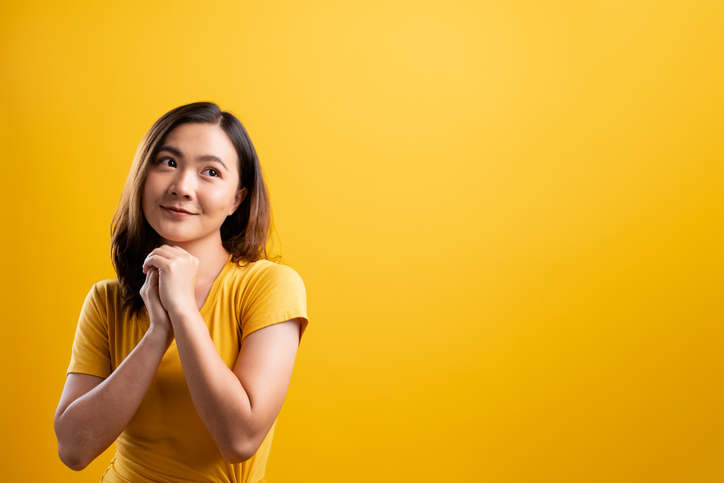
<point x="240" y="196"/>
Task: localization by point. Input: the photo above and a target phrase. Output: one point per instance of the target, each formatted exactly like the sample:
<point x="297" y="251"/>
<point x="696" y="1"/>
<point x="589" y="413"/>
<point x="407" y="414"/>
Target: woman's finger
<point x="165" y="251"/>
<point x="146" y="284"/>
<point x="174" y="249"/>
<point x="162" y="251"/>
<point x="148" y="275"/>
<point x="153" y="278"/>
<point x="158" y="261"/>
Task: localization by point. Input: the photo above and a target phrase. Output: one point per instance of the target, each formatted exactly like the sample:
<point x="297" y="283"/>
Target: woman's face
<point x="192" y="185"/>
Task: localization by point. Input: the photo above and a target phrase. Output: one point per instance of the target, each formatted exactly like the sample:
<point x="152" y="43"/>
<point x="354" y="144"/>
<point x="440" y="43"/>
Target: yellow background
<point x="508" y="216"/>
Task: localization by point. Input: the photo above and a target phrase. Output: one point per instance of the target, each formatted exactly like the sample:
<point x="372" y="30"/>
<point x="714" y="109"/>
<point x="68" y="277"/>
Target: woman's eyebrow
<point x="205" y="157"/>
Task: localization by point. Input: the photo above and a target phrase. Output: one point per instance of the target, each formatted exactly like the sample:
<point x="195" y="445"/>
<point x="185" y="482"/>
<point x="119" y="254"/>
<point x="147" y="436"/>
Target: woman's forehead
<point x="203" y="142"/>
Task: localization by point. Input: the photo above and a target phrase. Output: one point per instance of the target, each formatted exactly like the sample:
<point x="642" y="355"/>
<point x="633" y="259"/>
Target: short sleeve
<point x="274" y="294"/>
<point x="91" y="351"/>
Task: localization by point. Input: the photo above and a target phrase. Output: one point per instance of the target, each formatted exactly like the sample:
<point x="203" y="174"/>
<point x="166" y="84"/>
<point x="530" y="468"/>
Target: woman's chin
<point x="181" y="240"/>
<point x="166" y="238"/>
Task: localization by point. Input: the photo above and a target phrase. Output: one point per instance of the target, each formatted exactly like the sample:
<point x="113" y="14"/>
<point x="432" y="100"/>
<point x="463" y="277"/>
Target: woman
<point x="185" y="360"/>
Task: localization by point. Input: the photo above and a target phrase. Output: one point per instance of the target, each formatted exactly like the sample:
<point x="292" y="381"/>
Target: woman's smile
<point x="177" y="212"/>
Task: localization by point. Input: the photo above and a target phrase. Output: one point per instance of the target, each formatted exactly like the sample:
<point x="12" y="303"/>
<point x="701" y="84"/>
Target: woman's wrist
<point x="182" y="310"/>
<point x="160" y="335"/>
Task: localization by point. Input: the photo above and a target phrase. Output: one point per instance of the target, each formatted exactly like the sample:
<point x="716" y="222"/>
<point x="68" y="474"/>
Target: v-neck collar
<point x="214" y="292"/>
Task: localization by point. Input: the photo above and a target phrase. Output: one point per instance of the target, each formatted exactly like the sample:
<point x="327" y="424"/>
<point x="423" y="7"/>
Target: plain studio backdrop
<point x="508" y="216"/>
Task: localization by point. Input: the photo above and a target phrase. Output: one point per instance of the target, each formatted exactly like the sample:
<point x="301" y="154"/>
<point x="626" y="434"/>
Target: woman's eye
<point x="211" y="172"/>
<point x="168" y="162"/>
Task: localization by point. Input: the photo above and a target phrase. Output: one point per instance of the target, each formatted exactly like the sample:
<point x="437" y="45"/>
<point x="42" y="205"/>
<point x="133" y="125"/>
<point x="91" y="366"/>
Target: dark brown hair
<point x="244" y="234"/>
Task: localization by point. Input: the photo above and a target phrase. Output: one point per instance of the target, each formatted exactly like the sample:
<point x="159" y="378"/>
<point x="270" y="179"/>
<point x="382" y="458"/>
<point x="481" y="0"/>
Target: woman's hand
<point x="159" y="319"/>
<point x="177" y="271"/>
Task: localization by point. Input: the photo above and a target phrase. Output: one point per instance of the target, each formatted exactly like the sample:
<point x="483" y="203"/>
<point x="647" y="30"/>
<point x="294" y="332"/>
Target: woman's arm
<point x="92" y="411"/>
<point x="238" y="407"/>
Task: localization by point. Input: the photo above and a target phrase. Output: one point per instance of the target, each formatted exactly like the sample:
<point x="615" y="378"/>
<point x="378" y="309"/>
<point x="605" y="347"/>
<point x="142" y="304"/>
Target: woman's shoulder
<point x="263" y="274"/>
<point x="110" y="285"/>
<point x="103" y="298"/>
<point x="264" y="269"/>
<point x="106" y="291"/>
<point x="266" y="293"/>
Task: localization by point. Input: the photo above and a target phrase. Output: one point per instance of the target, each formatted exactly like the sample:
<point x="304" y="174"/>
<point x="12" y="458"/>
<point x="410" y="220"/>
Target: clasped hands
<point x="170" y="285"/>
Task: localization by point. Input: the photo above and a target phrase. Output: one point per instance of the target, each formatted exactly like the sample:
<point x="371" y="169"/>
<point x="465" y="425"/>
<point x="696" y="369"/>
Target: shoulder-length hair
<point x="244" y="234"/>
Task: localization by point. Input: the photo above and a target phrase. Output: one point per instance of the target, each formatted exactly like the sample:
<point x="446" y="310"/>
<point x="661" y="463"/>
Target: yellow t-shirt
<point x="166" y="440"/>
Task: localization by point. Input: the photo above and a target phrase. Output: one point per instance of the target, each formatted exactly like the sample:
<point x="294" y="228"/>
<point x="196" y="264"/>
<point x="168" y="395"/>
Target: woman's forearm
<point x="90" y="423"/>
<point x="219" y="397"/>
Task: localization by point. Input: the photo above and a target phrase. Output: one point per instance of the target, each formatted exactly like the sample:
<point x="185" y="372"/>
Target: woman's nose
<point x="183" y="184"/>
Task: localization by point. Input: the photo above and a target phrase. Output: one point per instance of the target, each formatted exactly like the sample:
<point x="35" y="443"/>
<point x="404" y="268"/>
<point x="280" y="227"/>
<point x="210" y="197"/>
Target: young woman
<point x="185" y="360"/>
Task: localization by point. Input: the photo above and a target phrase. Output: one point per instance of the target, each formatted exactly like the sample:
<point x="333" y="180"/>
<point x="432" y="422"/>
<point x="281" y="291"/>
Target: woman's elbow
<point x="241" y="451"/>
<point x="71" y="459"/>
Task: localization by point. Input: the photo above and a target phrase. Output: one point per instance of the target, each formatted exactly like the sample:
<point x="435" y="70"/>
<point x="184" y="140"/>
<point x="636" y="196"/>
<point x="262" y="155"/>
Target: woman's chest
<point x="222" y="323"/>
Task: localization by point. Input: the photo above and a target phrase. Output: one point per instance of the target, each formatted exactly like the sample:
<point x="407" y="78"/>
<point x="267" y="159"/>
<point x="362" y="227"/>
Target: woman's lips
<point x="176" y="211"/>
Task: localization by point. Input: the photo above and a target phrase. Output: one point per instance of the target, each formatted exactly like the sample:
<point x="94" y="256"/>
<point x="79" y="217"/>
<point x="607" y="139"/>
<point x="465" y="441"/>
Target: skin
<point x="237" y="406"/>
